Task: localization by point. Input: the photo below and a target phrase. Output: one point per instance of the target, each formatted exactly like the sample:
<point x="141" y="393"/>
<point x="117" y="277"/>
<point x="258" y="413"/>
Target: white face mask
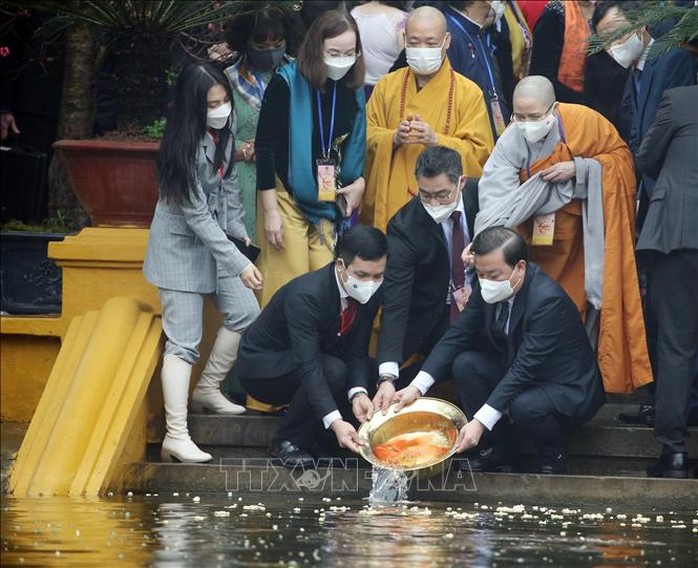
<point x="218" y="117"/>
<point x="494" y="291"/>
<point x="361" y="290"/>
<point x="424" y="60"/>
<point x="337" y="67"/>
<point x="499" y="8"/>
<point x="440" y="212"/>
<point x="535" y="130"/>
<point x="628" y="51"/>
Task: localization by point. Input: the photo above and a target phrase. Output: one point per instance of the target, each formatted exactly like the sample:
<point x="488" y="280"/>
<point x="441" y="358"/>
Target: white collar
<point x="469" y="19"/>
<point x="643" y="58"/>
<point x="342" y="292"/>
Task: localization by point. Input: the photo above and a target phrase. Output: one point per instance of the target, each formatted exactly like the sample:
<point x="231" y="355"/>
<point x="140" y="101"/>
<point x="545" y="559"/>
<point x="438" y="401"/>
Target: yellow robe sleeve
<point x="472" y="135"/>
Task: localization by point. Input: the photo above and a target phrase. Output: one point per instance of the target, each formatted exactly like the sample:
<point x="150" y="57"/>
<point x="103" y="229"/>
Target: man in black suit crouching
<point x="310" y="343"/>
<point x="518" y="349"/>
<point x="425" y="280"/>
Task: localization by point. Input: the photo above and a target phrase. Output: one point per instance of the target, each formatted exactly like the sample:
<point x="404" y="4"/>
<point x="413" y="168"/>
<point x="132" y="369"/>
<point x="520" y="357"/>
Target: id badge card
<point x="461" y="295"/>
<point x="326" y="180"/>
<point x="543" y="229"/>
<point x="497" y="116"/>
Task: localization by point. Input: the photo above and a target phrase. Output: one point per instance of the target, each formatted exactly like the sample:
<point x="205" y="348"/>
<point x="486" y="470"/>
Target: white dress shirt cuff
<point x="331" y="417"/>
<point x="389" y="368"/>
<point x="488" y="416"/>
<point x="354" y="390"/>
<point x="422" y="382"/>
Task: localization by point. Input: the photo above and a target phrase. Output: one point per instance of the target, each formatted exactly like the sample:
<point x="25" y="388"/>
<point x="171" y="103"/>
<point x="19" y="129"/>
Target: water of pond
<point x="262" y="529"/>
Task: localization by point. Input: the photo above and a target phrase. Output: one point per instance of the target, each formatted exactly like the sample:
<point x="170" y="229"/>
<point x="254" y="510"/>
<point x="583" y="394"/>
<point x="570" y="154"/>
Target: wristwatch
<point x="358" y="393"/>
<point x="385" y="377"/>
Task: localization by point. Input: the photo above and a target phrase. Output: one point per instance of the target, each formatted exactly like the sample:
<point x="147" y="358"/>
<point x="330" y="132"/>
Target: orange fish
<point x="410" y="449"/>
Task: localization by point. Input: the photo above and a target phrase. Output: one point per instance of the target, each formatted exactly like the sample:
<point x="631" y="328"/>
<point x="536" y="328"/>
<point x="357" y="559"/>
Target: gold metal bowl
<point x="419" y="436"/>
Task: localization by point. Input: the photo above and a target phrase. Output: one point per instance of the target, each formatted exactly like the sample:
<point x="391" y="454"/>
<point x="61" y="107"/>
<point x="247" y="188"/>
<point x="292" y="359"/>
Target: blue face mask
<point x="265" y="59"/>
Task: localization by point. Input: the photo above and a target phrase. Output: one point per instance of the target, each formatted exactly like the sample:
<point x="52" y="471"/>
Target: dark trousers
<point x="672" y="283"/>
<point x="531" y="412"/>
<point x="300" y="424"/>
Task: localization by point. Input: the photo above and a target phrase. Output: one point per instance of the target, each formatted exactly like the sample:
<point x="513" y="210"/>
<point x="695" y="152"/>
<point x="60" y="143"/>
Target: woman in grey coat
<point x="189" y="254"/>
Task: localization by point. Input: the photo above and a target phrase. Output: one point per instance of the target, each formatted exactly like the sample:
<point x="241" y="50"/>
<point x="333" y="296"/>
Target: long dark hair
<point x="260" y="22"/>
<point x="186" y="126"/>
<point x="310" y="57"/>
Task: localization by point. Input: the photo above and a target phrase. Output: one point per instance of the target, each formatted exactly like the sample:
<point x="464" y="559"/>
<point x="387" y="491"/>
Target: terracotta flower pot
<point x="114" y="180"/>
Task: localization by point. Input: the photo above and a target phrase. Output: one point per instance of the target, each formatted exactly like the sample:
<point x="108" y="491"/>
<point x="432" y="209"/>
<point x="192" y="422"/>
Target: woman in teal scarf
<point x="312" y="125"/>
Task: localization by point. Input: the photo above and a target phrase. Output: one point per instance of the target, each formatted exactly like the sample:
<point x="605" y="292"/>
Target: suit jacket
<point x="416" y="279"/>
<point x="547" y="347"/>
<point x="187" y="247"/>
<point x="668" y="154"/>
<point x="676" y="68"/>
<point x="301" y="322"/>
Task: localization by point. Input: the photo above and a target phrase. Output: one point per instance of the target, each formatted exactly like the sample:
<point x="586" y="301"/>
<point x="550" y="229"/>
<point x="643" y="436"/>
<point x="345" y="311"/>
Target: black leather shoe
<point x="672" y="465"/>
<point x="487" y="460"/>
<point x="643" y="417"/>
<point x="290" y="454"/>
<point x="554" y="465"/>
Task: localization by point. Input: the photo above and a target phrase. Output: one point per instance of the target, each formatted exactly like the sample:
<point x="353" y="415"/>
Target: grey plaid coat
<point x="187" y="247"/>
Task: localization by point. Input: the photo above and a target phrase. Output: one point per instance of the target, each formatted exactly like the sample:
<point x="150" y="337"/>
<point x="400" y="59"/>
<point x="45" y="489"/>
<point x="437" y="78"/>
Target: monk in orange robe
<point x="424" y="104"/>
<point x="562" y="176"/>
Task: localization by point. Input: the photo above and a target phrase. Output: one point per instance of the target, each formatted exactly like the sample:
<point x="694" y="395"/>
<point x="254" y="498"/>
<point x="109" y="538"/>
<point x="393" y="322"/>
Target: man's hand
<point x="384" y="397"/>
<point x="7" y="123"/>
<point x="353" y="193"/>
<point x="405" y="397"/>
<point x="346" y="435"/>
<point x="402" y="134"/>
<point x="274" y="228"/>
<point x="562" y="171"/>
<point x="251" y="277"/>
<point x="467" y="257"/>
<point x="422" y="133"/>
<point x="362" y="407"/>
<point x="469" y="435"/>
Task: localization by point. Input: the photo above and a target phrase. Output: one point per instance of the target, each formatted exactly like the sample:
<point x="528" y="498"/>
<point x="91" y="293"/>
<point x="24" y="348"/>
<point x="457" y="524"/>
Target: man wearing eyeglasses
<point x="426" y="285"/>
<point x="563" y="178"/>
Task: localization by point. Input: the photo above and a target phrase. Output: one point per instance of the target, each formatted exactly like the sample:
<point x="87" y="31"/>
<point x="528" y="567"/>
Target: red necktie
<point x="457" y="266"/>
<point x="347" y="316"/>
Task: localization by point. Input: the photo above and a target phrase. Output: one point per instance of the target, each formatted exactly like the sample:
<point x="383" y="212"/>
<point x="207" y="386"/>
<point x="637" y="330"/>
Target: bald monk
<point x="562" y="176"/>
<point x="424" y="104"/>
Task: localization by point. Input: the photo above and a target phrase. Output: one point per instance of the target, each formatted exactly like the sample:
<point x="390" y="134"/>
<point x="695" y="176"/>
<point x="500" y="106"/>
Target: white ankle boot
<point x="207" y="395"/>
<point x="177" y="444"/>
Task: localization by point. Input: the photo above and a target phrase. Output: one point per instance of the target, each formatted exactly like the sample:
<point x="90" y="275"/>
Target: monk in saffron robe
<point x="425" y="104"/>
<point x="562" y="176"/>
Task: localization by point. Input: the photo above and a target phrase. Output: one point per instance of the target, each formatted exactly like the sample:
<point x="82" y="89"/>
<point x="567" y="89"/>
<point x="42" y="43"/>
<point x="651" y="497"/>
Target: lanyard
<point x="326" y="148"/>
<point x="480" y="48"/>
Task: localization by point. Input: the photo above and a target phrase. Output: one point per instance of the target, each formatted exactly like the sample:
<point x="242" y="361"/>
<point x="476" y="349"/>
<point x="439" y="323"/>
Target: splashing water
<point x="389" y="486"/>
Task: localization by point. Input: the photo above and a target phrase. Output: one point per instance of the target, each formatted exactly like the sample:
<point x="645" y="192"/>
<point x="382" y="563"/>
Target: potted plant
<point x="114" y="180"/>
<point x="30" y="282"/>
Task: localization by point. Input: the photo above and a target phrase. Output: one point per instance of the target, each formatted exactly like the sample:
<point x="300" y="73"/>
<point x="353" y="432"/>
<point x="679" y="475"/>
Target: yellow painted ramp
<point x="90" y="402"/>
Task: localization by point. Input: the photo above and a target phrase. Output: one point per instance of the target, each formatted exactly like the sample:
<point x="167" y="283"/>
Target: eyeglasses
<point x="522" y="118"/>
<point x="438" y="196"/>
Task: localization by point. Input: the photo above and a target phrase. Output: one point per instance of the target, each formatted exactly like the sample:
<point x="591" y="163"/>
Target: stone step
<point x="603" y="436"/>
<point x="453" y="487"/>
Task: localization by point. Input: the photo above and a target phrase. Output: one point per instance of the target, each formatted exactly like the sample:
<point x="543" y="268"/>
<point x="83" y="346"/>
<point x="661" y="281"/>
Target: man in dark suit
<point x="310" y="343"/>
<point x="425" y="274"/>
<point x="669" y="239"/>
<point x="518" y="349"/>
<point x="649" y="77"/>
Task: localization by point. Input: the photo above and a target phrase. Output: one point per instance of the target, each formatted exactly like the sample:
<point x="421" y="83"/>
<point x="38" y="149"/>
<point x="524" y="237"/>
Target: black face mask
<point x="265" y="59"/>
